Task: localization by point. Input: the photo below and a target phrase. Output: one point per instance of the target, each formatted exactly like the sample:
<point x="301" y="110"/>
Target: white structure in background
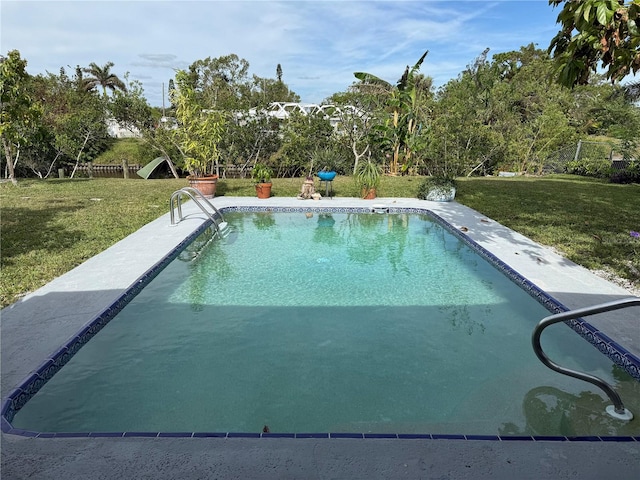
<point x="279" y="110"/>
<point x="282" y="111"/>
<point x="169" y="122"/>
<point x="118" y="131"/>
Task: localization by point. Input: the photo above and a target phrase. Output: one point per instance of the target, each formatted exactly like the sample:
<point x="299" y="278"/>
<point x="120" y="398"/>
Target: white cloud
<point x="318" y="43"/>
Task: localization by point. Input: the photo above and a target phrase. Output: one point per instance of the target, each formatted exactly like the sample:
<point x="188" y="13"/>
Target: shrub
<point x="631" y="174"/>
<point x="590" y="167"/>
<point x="438" y="185"/>
<point x="133" y="150"/>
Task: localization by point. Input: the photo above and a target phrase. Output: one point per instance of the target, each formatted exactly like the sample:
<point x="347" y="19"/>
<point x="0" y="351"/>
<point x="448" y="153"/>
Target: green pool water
<point x="309" y="322"/>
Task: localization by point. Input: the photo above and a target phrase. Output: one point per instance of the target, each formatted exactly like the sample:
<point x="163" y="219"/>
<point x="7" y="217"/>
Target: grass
<point x="49" y="227"/>
<point x="134" y="150"/>
<point x="589" y="221"/>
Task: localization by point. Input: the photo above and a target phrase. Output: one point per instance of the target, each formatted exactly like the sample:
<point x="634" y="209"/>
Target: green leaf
<point x="577" y="13"/>
<point x="369" y="78"/>
<point x="587" y="12"/>
<point x="602" y="13"/>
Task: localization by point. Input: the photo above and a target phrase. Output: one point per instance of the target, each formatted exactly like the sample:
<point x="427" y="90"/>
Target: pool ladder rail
<point x="221" y="227"/>
<point x="617" y="410"/>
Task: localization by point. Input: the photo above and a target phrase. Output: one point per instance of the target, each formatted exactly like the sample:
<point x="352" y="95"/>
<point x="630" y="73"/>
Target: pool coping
<point x="457" y="216"/>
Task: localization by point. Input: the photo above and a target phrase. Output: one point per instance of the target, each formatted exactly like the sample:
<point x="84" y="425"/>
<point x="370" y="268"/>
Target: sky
<point x="318" y="43"/>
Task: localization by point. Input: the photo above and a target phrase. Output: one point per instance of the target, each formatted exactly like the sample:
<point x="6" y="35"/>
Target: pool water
<point x="318" y="322"/>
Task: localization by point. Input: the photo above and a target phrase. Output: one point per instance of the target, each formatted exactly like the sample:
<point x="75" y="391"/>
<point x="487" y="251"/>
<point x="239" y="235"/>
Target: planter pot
<point x="205" y="185"/>
<point x="441" y="194"/>
<point x="368" y="193"/>
<point x="263" y="190"/>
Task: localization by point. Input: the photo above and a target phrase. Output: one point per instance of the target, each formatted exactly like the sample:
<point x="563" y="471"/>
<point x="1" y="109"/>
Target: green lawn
<point x="587" y="220"/>
<point x="49" y="227"/>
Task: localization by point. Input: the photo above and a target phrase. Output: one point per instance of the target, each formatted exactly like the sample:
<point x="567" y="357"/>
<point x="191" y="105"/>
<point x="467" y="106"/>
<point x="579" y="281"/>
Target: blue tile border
<point x="482" y="437"/>
<point x="209" y="434"/>
<point x="380" y="435"/>
<point x="516" y="438"/>
<point x="617" y="439"/>
<point x="141" y="434"/>
<point x="312" y="435"/>
<point x="327" y="436"/>
<point x="71" y="434"/>
<point x="176" y="434"/>
<point x="419" y="436"/>
<point x="346" y="435"/>
<point x="278" y="435"/>
<point x="106" y="434"/>
<point x="547" y="438"/>
<point x="586" y="438"/>
<point x="30" y="386"/>
<point x="448" y="437"/>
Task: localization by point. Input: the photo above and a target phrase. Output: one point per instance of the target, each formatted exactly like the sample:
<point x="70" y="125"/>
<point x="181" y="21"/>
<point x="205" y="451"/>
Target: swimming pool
<point x="331" y="307"/>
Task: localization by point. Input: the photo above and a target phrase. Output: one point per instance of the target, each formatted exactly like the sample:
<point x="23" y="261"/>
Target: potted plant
<point x="197" y="136"/>
<point x="261" y="175"/>
<point x="206" y="183"/>
<point x="437" y="188"/>
<point x="367" y="177"/>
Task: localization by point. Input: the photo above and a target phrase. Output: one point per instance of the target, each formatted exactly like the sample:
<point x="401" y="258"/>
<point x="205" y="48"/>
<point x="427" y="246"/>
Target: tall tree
<point x="301" y="136"/>
<point x="81" y="133"/>
<point x="267" y="90"/>
<point x="17" y="112"/>
<point x="219" y="83"/>
<point x="224" y="83"/>
<point x="279" y="73"/>
<point x="103" y="77"/>
<point x="354" y="123"/>
<point x="594" y="32"/>
<point x="400" y="131"/>
<point x="499" y="113"/>
<point x="250" y="139"/>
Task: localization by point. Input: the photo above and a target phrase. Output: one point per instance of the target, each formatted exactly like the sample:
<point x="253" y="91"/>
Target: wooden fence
<point x="110" y="171"/>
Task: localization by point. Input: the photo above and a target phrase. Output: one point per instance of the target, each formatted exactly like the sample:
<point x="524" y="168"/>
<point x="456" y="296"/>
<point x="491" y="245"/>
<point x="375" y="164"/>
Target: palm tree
<point x="103" y="77"/>
<point x="403" y="100"/>
<point x="632" y="91"/>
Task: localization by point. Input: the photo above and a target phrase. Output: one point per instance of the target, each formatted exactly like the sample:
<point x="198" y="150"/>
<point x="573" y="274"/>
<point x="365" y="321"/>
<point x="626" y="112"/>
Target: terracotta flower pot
<point x="368" y="193"/>
<point x="263" y="190"/>
<point x="205" y="184"/>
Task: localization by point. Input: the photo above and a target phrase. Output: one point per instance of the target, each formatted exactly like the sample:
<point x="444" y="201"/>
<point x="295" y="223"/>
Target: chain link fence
<point x="583" y="156"/>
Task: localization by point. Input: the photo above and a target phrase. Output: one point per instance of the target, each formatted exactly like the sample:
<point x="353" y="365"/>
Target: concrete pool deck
<point x="37" y="325"/>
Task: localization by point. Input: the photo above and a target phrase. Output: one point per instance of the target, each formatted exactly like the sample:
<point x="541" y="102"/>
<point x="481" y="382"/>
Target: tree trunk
<point x="125" y="168"/>
<point x="10" y="164"/>
<point x="357" y="156"/>
<point x="172" y="167"/>
<point x="75" y="167"/>
<point x="51" y="166"/>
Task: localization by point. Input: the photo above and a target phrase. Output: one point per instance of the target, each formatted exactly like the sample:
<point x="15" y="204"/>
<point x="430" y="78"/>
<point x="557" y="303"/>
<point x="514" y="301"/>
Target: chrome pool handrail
<point x="618" y="409"/>
<point x="196" y="196"/>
